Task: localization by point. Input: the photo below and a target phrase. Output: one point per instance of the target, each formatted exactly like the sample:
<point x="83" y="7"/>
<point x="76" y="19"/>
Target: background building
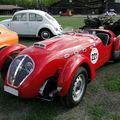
<point x="9" y="9"/>
<point x="55" y="6"/>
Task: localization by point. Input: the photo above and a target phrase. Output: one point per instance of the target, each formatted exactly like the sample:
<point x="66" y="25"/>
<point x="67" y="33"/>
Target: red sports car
<point x="62" y="65"/>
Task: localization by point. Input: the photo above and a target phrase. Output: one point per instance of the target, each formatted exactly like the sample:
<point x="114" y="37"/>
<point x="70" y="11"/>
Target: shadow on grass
<point x="28" y="109"/>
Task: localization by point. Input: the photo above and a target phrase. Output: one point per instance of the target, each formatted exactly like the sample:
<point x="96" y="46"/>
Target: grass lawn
<point x="70" y="22"/>
<point x="101" y="101"/>
<point x="66" y="22"/>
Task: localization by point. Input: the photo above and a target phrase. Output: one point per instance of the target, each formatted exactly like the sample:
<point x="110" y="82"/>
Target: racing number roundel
<point x="94" y="55"/>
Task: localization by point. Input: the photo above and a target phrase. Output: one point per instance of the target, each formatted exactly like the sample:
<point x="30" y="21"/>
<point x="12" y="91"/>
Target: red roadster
<point x="62" y="65"/>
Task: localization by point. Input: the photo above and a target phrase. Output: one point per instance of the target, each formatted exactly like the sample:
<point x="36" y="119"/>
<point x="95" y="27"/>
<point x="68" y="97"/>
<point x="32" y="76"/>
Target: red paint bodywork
<point x="9" y="50"/>
<point x="63" y="55"/>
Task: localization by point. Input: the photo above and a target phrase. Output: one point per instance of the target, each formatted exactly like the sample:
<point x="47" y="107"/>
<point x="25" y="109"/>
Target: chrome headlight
<point x="20" y="69"/>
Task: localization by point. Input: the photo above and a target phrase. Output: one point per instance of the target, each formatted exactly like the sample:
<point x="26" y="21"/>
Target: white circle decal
<point x="94" y="55"/>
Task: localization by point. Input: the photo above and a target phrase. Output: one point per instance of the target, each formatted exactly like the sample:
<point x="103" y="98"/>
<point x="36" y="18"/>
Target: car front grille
<point x="20" y="69"/>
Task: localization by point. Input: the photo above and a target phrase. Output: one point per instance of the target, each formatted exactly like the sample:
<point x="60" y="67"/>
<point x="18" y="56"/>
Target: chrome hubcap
<point x="45" y="35"/>
<point x="78" y="88"/>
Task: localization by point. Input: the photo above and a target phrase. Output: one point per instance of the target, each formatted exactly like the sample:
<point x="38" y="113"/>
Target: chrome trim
<point x="66" y="55"/>
<point x="40" y="45"/>
<point x="76" y="53"/>
<point x="84" y="50"/>
<point x="24" y="56"/>
<point x="15" y="74"/>
<point x="42" y="88"/>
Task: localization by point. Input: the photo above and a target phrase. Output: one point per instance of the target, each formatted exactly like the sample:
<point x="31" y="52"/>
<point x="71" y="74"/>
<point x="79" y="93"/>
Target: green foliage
<point x="28" y="3"/>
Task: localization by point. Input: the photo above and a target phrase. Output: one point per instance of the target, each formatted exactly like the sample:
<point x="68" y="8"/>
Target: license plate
<point x="11" y="90"/>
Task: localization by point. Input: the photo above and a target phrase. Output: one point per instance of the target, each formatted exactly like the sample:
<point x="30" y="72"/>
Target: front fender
<point x="69" y="70"/>
<point x="7" y="51"/>
<point x="51" y="28"/>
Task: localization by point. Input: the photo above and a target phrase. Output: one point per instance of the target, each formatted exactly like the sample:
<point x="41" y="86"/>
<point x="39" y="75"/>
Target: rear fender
<point x="116" y="48"/>
<point x="116" y="43"/>
<point x="7" y="51"/>
<point x="69" y="70"/>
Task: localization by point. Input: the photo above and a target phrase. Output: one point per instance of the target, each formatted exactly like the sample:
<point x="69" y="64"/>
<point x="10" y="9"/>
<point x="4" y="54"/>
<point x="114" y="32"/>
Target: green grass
<point x="72" y="22"/>
<point x="4" y="17"/>
<point x="97" y="112"/>
<point x="115" y="117"/>
<point x="112" y="83"/>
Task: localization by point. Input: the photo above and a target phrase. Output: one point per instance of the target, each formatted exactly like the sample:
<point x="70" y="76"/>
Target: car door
<point x="35" y="21"/>
<point x="19" y="24"/>
<point x="103" y="50"/>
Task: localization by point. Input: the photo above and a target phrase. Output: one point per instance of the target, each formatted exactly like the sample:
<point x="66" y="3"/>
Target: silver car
<point x="33" y="23"/>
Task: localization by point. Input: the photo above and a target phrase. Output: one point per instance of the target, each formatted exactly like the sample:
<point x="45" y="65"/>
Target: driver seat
<point x="104" y="37"/>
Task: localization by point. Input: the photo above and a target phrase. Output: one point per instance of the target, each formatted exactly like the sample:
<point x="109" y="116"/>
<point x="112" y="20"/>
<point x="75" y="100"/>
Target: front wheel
<point x="77" y="88"/>
<point x="45" y="34"/>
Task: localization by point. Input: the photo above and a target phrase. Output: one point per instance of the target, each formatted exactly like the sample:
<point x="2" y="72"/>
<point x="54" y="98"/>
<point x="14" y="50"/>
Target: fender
<point x="7" y="51"/>
<point x="116" y="48"/>
<point x="51" y="28"/>
<point x="116" y="43"/>
<point x="69" y="70"/>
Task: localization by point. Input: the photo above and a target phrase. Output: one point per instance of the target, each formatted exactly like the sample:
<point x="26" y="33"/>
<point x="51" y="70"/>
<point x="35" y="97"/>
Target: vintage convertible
<point x="62" y="65"/>
<point x="9" y="47"/>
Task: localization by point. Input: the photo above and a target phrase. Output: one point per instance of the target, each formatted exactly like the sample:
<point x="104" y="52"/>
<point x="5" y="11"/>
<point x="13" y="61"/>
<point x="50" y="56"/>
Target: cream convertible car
<point x="33" y="23"/>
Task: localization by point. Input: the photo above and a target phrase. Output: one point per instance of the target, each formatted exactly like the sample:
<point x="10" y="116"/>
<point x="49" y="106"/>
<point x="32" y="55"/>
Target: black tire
<point x="72" y="99"/>
<point x="6" y="65"/>
<point x="45" y="34"/>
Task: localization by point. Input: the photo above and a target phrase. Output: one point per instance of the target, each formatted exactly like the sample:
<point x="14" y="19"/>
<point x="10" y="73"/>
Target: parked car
<point x="33" y="23"/>
<point x="110" y="12"/>
<point x="62" y="65"/>
<point x="8" y="48"/>
<point x="7" y="37"/>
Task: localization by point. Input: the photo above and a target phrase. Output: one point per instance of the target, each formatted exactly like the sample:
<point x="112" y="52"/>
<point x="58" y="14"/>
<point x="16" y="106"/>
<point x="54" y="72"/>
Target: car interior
<point x="103" y="35"/>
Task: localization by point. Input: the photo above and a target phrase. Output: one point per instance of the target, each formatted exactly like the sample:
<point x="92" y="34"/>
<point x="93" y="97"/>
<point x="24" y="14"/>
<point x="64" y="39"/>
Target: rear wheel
<point x="77" y="88"/>
<point x="6" y="65"/>
<point x="45" y="34"/>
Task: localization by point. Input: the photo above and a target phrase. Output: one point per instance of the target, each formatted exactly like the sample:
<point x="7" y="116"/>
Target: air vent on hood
<point x="40" y="45"/>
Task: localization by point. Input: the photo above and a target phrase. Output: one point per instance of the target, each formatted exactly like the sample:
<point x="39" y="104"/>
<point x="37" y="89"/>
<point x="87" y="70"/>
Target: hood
<point x="59" y="44"/>
<point x="63" y="42"/>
